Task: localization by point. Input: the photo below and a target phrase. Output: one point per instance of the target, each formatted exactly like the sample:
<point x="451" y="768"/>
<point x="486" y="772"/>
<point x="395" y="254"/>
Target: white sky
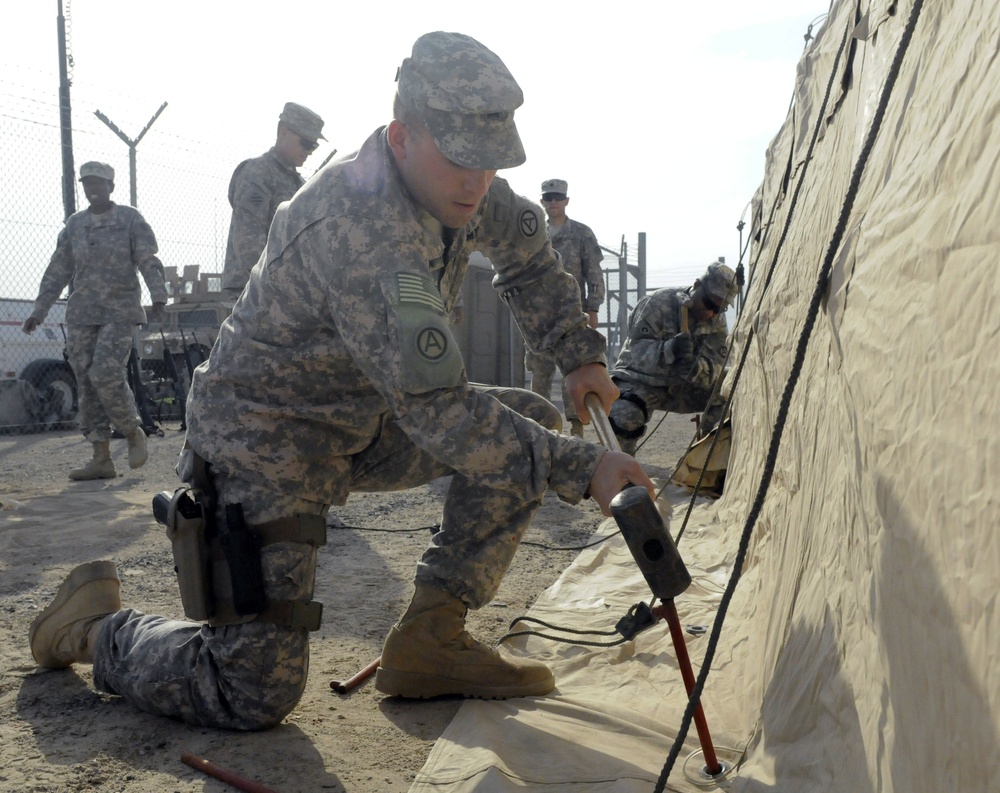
<point x="657" y="113"/>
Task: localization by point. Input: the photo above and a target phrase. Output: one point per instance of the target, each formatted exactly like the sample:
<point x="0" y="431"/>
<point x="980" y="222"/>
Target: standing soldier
<point x="98" y="253"/>
<point x="259" y="184"/>
<point x="664" y="365"/>
<point x="581" y="258"/>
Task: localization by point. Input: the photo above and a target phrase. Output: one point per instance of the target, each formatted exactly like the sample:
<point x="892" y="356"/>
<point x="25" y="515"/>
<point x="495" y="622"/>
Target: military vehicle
<point x="196" y="310"/>
<point x="37" y="387"/>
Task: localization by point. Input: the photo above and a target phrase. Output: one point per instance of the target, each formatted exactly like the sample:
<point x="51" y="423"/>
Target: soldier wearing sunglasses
<point x="259" y="184"/>
<point x="663" y="367"/>
<point x="581" y="257"/>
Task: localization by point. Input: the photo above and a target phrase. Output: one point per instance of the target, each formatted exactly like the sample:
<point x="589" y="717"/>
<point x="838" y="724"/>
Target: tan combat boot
<point x="101" y="467"/>
<point x="137" y="453"/>
<point x="430" y="654"/>
<point x="65" y="632"/>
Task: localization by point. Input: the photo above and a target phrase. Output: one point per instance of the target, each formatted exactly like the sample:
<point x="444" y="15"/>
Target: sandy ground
<point x="58" y="735"/>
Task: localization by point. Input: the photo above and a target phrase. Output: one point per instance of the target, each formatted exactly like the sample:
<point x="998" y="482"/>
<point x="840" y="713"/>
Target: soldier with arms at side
<point x="581" y="257"/>
<point x="98" y="254"/>
<point x="338" y="372"/>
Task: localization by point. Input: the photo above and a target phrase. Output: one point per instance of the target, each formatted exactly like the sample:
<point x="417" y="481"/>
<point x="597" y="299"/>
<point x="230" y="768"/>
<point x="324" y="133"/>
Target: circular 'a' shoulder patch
<point x="528" y="223"/>
<point x="432" y="344"/>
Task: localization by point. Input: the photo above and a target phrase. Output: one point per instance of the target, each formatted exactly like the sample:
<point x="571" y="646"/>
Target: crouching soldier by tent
<point x="337" y="371"/>
<point x="674" y="352"/>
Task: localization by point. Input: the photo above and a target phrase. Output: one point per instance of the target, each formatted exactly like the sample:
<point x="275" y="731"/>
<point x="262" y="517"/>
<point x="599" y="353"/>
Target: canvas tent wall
<point x="860" y="648"/>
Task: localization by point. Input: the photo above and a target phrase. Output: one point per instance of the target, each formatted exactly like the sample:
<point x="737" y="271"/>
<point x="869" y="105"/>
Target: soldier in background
<point x="581" y="258"/>
<point x="663" y="367"/>
<point x="98" y="252"/>
<point x="259" y="184"/>
<point x="338" y="372"/>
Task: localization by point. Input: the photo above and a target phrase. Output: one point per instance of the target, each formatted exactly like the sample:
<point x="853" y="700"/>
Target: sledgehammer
<point x="641" y="525"/>
<point x="656" y="554"/>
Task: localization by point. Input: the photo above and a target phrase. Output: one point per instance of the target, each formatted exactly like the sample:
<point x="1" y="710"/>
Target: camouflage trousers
<point x="543" y="370"/>
<point x="250" y="676"/>
<point x="628" y="418"/>
<point x="98" y="355"/>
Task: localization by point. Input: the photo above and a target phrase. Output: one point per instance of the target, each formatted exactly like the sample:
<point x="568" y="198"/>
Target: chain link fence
<point x="179" y="185"/>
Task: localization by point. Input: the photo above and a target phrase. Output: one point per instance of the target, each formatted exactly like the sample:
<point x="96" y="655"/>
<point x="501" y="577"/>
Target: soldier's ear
<point x="398" y="136"/>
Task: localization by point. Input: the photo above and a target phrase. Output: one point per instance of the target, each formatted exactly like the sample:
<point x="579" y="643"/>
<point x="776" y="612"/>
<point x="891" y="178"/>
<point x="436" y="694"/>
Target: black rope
<point x="573" y="631"/>
<point x="822" y="284"/>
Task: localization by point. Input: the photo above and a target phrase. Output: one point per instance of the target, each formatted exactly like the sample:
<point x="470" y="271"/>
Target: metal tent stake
<point x="668" y="611"/>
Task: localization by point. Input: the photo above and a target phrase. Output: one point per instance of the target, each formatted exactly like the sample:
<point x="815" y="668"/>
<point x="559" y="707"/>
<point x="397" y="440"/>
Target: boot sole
<point x="410" y="685"/>
<point x="112" y="475"/>
<point x="80" y="577"/>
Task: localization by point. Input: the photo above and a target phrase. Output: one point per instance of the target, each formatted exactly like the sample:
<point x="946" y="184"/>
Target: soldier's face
<point x="292" y="149"/>
<point x="450" y="192"/>
<point x="98" y="192"/>
<point x="704" y="307"/>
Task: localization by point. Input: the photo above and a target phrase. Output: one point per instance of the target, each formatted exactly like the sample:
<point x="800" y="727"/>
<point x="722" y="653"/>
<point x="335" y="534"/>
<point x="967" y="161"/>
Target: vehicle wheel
<point x="56" y="406"/>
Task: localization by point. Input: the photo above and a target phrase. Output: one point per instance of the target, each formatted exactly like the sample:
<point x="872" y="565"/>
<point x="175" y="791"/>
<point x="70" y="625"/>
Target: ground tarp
<point x="861" y="648"/>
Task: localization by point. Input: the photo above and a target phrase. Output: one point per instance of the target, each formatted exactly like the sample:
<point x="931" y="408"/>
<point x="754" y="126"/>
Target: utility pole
<point x="131" y="145"/>
<point x="65" y="120"/>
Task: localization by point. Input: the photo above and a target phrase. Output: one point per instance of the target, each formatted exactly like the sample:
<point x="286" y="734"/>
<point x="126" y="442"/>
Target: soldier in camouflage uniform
<point x="581" y="257"/>
<point x="98" y="253"/>
<point x="257" y="187"/>
<point x="337" y="371"/>
<point x="660" y="367"/>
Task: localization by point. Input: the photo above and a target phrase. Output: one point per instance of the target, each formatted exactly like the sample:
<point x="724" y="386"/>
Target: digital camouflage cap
<point x="99" y="169"/>
<point x="302" y="121"/>
<point x="555" y="186"/>
<point x="719" y="281"/>
<point x="466" y="96"/>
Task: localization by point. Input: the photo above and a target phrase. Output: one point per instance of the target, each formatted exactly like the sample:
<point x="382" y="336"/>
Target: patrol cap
<point x="302" y="121"/>
<point x="466" y="96"/>
<point x="99" y="169"/>
<point x="719" y="281"/>
<point x="555" y="186"/>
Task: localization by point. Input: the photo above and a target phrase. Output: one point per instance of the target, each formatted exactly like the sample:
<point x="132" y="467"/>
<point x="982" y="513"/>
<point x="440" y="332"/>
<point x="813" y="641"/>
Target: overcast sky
<point x="657" y="113"/>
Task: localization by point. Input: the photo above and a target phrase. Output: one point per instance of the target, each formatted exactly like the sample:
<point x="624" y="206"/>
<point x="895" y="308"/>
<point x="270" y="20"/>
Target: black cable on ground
<point x="822" y="285"/>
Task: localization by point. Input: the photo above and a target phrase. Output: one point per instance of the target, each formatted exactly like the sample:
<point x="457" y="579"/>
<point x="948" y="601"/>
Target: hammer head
<point x="650" y="543"/>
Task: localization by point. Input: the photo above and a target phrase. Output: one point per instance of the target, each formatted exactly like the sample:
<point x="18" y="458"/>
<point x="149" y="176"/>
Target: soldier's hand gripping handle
<point x="634" y="510"/>
<point x="615" y="469"/>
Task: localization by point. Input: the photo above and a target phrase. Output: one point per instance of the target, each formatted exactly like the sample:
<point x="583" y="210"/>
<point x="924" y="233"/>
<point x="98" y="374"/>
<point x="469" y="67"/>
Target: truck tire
<point x="56" y="406"/>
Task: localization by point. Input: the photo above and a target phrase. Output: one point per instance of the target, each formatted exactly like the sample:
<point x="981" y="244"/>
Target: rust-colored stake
<point x="357" y="680"/>
<point x="229" y="777"/>
<point x="669" y="611"/>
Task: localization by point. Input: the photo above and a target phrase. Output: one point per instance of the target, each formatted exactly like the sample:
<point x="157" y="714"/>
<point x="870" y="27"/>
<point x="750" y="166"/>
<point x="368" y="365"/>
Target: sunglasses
<point x="711" y="305"/>
<point x="308" y="145"/>
<point x="549" y="198"/>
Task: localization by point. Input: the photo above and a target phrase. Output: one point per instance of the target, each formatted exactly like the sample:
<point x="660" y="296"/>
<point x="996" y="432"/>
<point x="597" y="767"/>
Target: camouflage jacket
<point x="581" y="258"/>
<point x="99" y="256"/>
<point x="256" y="188"/>
<point x="647" y="357"/>
<point x="344" y="326"/>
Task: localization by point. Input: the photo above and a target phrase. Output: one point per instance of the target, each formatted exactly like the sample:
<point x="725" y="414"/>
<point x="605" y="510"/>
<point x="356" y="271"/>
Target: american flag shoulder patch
<point x="416" y="289"/>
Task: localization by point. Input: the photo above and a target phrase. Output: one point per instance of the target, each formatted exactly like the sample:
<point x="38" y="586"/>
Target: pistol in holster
<point x="185" y="520"/>
<point x="219" y="570"/>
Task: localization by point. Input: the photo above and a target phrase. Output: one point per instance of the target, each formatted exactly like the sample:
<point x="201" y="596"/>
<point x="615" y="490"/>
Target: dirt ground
<point x="58" y="735"/>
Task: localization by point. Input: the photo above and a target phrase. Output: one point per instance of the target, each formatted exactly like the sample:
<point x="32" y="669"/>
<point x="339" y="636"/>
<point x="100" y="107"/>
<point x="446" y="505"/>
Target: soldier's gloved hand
<point x="29" y="325"/>
<point x="156" y="313"/>
<point x="682" y="347"/>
